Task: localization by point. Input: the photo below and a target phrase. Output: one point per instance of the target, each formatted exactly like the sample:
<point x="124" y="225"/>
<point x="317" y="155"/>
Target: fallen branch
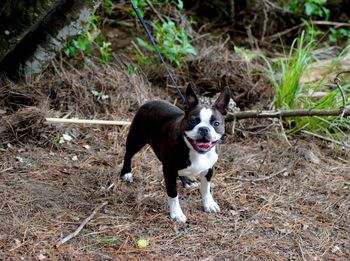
<point x="83" y="121"/>
<point x="279" y="34"/>
<point x="230" y="117"/>
<point x="285" y="114"/>
<point x="82" y="225"/>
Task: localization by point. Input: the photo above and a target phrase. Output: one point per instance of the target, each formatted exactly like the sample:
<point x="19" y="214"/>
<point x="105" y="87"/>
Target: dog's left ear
<point x="221" y="104"/>
<point x="191" y="99"/>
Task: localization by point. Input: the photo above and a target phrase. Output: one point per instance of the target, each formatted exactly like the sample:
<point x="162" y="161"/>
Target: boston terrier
<point x="185" y="141"/>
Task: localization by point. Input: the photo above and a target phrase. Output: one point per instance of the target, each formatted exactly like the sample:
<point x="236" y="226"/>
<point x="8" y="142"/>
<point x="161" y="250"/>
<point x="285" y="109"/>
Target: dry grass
<point x="278" y="202"/>
<point x="217" y="66"/>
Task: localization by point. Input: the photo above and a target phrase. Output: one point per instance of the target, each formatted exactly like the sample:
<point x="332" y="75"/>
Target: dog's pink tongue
<point x="204" y="145"/>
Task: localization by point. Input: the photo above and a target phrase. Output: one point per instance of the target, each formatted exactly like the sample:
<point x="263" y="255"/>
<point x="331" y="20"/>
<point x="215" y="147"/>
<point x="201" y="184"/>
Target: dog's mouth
<point x="201" y="145"/>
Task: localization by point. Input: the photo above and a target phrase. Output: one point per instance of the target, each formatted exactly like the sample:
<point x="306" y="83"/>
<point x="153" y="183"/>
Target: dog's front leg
<point x="209" y="203"/>
<point x="176" y="213"/>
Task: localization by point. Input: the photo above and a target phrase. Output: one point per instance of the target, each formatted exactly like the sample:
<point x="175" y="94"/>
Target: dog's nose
<point x="203" y="131"/>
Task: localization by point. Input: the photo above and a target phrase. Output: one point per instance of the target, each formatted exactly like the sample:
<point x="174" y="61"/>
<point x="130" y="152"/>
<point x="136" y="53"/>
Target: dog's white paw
<point x="210" y="205"/>
<point x="128" y="177"/>
<point x="178" y="216"/>
<point x="176" y="211"/>
<point x="191" y="185"/>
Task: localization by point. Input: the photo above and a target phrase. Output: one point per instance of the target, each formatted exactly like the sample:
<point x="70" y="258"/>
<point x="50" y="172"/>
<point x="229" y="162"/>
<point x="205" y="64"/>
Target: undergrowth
<point x="285" y="74"/>
<point x="310" y="11"/>
<point x="90" y="42"/>
<point x="172" y="40"/>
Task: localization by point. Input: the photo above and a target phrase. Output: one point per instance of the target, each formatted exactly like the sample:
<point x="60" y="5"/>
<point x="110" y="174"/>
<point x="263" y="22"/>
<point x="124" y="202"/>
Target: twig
<point x="77" y="231"/>
<point x="284" y="114"/>
<point x="336" y="24"/>
<point x="279" y="34"/>
<point x="4" y="170"/>
<point x="259" y="179"/>
<point x="301" y="250"/>
<point x="326" y="138"/>
<point x="337" y="82"/>
<point x="83" y="121"/>
<point x="155" y="11"/>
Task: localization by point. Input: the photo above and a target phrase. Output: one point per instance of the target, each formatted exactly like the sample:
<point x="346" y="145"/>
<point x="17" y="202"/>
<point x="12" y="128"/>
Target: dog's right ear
<point x="191" y="99"/>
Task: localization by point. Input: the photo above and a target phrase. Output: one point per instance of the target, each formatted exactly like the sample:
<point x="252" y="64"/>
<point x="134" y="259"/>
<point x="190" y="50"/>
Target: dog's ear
<point x="222" y="102"/>
<point x="191" y="99"/>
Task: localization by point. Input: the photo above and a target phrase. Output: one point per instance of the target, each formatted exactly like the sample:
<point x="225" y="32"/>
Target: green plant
<point x="286" y="82"/>
<point x="172" y="41"/>
<point x="108" y="6"/>
<point x="110" y="241"/>
<point x="132" y="69"/>
<point x="105" y="50"/>
<point x="142" y="5"/>
<point x="336" y="34"/>
<point x="309" y="8"/>
<point x="285" y="74"/>
<point x="86" y="44"/>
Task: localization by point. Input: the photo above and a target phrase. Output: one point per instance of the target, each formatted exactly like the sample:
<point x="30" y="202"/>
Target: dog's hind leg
<point x="187" y="182"/>
<point x="134" y="143"/>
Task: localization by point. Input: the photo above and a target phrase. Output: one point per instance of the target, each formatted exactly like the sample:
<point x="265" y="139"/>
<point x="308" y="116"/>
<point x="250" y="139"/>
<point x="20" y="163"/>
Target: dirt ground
<point x="281" y="198"/>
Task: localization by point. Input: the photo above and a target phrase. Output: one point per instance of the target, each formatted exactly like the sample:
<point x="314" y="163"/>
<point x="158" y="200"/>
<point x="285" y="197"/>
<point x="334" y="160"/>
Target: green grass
<point x="285" y="73"/>
<point x="289" y="94"/>
<point x="3" y="149"/>
<point x="110" y="241"/>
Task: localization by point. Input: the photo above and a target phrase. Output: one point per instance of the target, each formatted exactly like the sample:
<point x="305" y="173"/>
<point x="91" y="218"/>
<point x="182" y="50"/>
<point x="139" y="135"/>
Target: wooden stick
<point x="284" y="114"/>
<point x="82" y="225"/>
<point x="82" y="121"/>
<point x="230" y="117"/>
<point x="279" y="34"/>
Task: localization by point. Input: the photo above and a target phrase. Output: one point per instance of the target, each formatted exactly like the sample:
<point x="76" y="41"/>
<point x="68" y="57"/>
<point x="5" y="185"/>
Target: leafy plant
<point x="85" y="44"/>
<point x="105" y="50"/>
<point x="336" y="34"/>
<point x="310" y="8"/>
<point x="172" y="41"/>
<point x="108" y="6"/>
<point x="285" y="74"/>
<point x="143" y="7"/>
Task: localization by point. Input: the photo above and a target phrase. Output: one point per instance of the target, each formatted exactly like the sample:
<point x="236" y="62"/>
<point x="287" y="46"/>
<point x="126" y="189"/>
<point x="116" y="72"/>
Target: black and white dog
<point x="184" y="141"/>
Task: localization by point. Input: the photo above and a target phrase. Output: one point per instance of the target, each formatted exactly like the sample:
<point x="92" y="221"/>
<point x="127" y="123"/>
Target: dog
<point x="184" y="140"/>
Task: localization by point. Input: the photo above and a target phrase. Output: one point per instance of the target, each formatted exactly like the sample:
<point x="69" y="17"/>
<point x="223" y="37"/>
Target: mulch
<point x="280" y="199"/>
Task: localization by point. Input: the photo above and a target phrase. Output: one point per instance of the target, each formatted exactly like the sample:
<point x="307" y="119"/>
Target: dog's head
<point x="203" y="126"/>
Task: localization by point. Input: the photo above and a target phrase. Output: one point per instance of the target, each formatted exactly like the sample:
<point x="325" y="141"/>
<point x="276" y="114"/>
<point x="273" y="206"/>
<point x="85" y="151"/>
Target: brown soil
<point x="280" y="199"/>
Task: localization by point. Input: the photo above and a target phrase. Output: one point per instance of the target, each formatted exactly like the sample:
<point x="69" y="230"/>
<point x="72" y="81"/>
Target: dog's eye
<point x="216" y="124"/>
<point x="194" y="121"/>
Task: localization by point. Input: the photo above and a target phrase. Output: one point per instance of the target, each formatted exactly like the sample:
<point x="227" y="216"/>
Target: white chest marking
<point x="199" y="163"/>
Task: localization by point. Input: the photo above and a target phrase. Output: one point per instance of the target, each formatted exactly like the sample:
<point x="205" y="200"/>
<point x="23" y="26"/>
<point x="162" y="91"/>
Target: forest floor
<point x="281" y="198"/>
